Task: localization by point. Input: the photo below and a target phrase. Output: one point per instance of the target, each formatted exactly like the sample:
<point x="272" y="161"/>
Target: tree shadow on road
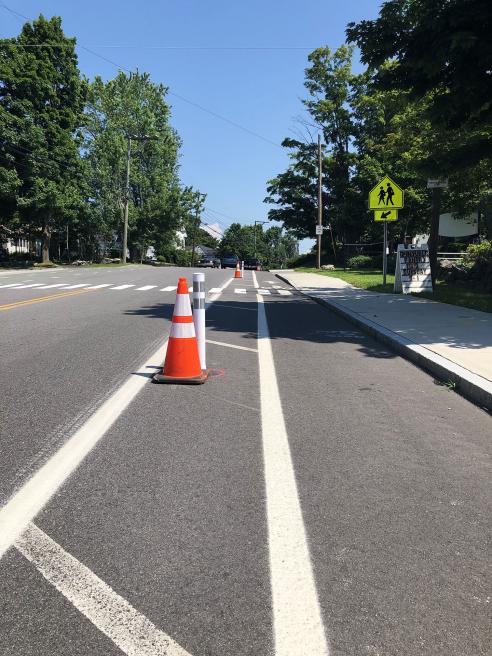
<point x="296" y="319"/>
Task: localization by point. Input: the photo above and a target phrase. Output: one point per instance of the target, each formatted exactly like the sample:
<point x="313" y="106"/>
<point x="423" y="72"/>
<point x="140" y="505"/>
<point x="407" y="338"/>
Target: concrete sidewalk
<point x="452" y="342"/>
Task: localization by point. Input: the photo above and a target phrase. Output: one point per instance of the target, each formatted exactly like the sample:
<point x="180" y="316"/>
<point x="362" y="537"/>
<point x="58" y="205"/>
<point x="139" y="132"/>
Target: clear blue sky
<point x="258" y="89"/>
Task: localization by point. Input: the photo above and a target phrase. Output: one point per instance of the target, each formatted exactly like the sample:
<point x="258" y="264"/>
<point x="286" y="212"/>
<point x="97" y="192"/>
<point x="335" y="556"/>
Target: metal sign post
<point x="385" y="252"/>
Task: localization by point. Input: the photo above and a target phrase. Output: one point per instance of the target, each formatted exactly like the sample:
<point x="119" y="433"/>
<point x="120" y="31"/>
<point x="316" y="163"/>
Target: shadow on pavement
<point x="298" y="319"/>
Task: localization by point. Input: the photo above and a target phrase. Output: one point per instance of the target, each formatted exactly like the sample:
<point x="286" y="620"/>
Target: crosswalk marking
<point x="110" y="287"/>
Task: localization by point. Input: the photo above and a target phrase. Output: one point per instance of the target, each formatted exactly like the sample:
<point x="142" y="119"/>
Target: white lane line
<point x="264" y="292"/>
<point x="122" y="287"/>
<point x="171" y="288"/>
<point x="241" y="348"/>
<point x="58" y="284"/>
<point x="84" y="284"/>
<point x="284" y="292"/>
<point x="35" y="494"/>
<point x="33" y="284"/>
<point x="240" y="290"/>
<point x="145" y="288"/>
<point x="131" y="631"/>
<point x="215" y="290"/>
<point x="297" y="620"/>
<point x="108" y="284"/>
<point x="12" y="284"/>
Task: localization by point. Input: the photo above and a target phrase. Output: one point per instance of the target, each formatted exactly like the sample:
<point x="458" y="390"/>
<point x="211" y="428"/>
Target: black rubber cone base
<point x="194" y="380"/>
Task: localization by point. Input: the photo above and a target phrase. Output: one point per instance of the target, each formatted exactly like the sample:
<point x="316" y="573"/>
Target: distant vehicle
<point x="253" y="264"/>
<point x="209" y="261"/>
<point x="229" y="261"/>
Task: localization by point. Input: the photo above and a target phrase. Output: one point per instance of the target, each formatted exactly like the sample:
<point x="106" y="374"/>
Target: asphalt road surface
<point x="317" y="495"/>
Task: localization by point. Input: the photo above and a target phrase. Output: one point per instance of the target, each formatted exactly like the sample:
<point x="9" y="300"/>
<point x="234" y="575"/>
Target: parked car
<point x="253" y="264"/>
<point x="210" y="261"/>
<point x="229" y="261"/>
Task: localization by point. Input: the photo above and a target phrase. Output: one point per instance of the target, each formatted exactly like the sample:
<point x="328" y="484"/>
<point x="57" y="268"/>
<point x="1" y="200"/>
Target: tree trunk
<point x="434" y="232"/>
<point x="46" y="243"/>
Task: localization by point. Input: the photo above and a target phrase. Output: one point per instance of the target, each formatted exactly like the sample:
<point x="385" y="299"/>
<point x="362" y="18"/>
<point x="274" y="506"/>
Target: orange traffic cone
<point x="182" y="364"/>
<point x="237" y="272"/>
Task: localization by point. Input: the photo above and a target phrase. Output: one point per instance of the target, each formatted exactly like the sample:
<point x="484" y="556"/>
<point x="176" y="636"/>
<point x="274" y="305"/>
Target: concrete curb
<point x="472" y="386"/>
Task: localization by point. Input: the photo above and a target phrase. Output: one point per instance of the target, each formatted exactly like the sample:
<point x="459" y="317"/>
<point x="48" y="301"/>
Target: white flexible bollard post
<point x="242" y="269"/>
<point x="199" y="315"/>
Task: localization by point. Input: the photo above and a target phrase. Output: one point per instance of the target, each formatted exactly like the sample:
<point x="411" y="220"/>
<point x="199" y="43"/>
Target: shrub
<point x="478" y="253"/>
<point x="478" y="259"/>
<point x="161" y="258"/>
<point x="360" y="262"/>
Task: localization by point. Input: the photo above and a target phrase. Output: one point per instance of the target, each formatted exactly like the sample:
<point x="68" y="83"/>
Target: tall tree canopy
<point x="41" y="103"/>
<point x="441" y="50"/>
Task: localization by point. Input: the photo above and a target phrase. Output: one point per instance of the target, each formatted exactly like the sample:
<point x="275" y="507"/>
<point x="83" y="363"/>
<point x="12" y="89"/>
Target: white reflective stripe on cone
<point x="183" y="330"/>
<point x="182" y="307"/>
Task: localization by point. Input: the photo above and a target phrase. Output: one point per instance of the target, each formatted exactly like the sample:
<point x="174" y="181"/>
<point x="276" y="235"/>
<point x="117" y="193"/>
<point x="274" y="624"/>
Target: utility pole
<point x="197" y="223"/>
<point x="434" y="231"/>
<point x="127" y="200"/>
<point x="320" y="202"/>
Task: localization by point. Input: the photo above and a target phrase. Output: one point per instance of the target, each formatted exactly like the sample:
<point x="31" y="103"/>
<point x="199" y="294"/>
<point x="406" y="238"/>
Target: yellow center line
<point x="40" y="299"/>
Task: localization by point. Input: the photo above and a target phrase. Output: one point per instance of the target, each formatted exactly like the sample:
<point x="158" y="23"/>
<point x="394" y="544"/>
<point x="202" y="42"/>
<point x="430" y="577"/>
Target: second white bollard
<point x="199" y="315"/>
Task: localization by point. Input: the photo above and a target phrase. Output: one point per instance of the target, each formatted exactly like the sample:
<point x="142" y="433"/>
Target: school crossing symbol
<point x="386" y="197"/>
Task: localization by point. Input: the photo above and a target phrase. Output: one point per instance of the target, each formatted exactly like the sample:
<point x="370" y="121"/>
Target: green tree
<point x="441" y="51"/>
<point x="132" y="107"/>
<point x="41" y="104"/>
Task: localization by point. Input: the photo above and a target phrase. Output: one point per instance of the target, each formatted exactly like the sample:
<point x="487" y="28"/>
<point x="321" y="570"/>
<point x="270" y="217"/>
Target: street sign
<point x="386" y="215"/>
<point x="319" y="229"/>
<point x="386" y="195"/>
<point x="436" y="183"/>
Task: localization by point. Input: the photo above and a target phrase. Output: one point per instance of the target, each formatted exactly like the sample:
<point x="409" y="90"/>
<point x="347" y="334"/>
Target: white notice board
<point x="413" y="273"/>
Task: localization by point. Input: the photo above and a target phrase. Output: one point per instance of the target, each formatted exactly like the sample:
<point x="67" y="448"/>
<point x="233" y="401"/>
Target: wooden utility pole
<point x="197" y="225"/>
<point x="320" y="202"/>
<point x="127" y="200"/>
<point x="434" y="231"/>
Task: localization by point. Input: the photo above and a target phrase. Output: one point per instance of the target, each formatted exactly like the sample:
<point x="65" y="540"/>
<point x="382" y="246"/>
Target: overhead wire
<point x="171" y="93"/>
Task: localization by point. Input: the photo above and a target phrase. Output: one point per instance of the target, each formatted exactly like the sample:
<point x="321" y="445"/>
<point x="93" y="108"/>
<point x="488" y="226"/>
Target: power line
<point x="171" y="93"/>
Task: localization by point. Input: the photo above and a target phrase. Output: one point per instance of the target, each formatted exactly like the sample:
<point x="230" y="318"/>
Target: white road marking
<point x="215" y="290"/>
<point x="171" y="288"/>
<point x="284" y="292"/>
<point x="33" y="284"/>
<point x="84" y="284"/>
<point x="297" y="620"/>
<point x="241" y="348"/>
<point x="123" y="287"/>
<point x="108" y="284"/>
<point x="145" y="288"/>
<point x="131" y="631"/>
<point x="35" y="494"/>
<point x="240" y="290"/>
<point x="264" y="292"/>
<point x="58" y="284"/>
<point x="12" y="284"/>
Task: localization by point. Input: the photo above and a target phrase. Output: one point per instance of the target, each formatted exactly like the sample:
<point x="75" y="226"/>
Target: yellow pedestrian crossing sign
<point x="385" y="215"/>
<point x="386" y="195"/>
